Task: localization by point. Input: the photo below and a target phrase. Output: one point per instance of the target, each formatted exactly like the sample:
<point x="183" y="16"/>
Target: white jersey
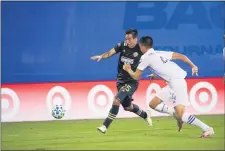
<point x="159" y="62"/>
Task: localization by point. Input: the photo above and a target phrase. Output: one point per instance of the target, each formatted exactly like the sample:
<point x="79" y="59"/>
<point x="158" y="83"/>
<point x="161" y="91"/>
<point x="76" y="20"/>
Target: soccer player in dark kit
<point x="130" y="53"/>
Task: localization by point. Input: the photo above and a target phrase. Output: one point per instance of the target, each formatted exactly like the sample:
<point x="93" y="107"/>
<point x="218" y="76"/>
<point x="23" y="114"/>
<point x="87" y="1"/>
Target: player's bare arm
<point x="135" y="75"/>
<point x="179" y="56"/>
<point x="104" y="55"/>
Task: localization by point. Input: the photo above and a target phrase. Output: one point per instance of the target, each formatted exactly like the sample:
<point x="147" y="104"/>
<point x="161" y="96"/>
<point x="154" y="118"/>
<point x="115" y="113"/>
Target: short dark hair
<point x="146" y="41"/>
<point x="133" y="32"/>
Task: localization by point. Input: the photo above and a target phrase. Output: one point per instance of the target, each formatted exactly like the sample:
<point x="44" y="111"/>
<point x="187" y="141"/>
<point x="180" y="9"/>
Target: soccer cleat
<point x="102" y="129"/>
<point x="148" y="118"/>
<point x="207" y="133"/>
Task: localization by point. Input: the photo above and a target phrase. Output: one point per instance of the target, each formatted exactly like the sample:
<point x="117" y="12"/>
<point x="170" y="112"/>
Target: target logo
<point x="152" y="90"/>
<point x="58" y="95"/>
<point x="100" y="99"/>
<point x="10" y="103"/>
<point x="203" y="97"/>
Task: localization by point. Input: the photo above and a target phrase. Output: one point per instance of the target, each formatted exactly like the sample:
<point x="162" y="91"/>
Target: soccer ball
<point x="58" y="112"/>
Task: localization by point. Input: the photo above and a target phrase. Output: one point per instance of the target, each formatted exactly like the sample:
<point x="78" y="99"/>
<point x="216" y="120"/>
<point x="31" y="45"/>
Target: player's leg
<point x="157" y="103"/>
<point x="111" y="116"/>
<point x="129" y="106"/>
<point x="114" y="109"/>
<point x="192" y="120"/>
<point x="180" y="102"/>
<point x="130" y="89"/>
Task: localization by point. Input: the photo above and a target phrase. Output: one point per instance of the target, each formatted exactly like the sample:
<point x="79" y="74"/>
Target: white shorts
<point x="175" y="92"/>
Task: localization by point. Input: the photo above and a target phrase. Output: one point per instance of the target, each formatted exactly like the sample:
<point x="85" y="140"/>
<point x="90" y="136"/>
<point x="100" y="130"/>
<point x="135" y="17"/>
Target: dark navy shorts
<point x="125" y="92"/>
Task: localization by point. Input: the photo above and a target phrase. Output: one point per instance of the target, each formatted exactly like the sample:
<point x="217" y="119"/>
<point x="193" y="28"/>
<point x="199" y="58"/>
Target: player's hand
<point x="195" y="71"/>
<point x="98" y="58"/>
<point x="126" y="67"/>
<point x="151" y="77"/>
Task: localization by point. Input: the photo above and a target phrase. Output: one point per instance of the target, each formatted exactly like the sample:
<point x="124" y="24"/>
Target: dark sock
<point x="112" y="115"/>
<point x="139" y="111"/>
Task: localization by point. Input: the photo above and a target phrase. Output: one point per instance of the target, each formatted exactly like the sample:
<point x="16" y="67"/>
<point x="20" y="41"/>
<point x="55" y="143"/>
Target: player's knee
<point x="129" y="108"/>
<point x="151" y="105"/>
<point x="116" y="102"/>
<point x="126" y="108"/>
<point x="154" y="102"/>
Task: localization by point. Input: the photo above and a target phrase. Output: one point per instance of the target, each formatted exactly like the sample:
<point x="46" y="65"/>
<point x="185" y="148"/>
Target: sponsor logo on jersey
<point x="135" y="54"/>
<point x="127" y="60"/>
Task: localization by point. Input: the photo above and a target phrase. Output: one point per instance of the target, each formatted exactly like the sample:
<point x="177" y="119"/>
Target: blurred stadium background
<point x="45" y="57"/>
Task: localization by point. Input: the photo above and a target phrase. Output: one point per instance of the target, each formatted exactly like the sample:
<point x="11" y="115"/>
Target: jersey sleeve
<point x="167" y="54"/>
<point x="143" y="64"/>
<point x="119" y="47"/>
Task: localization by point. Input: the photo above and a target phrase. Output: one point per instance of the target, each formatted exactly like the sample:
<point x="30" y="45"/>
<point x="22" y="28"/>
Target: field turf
<point x="124" y="134"/>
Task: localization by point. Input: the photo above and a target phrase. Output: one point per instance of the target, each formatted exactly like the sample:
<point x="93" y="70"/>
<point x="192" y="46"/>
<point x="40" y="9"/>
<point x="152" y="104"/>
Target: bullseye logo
<point x="153" y="88"/>
<point x="203" y="97"/>
<point x="10" y="103"/>
<point x="58" y="95"/>
<point x="100" y="99"/>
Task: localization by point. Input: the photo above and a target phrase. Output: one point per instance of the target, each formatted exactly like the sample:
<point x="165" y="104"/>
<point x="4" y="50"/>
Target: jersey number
<point x="164" y="60"/>
<point x="126" y="88"/>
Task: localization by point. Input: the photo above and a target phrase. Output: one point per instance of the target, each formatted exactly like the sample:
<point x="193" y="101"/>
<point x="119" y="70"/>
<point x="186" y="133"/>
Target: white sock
<point x="163" y="108"/>
<point x="192" y="120"/>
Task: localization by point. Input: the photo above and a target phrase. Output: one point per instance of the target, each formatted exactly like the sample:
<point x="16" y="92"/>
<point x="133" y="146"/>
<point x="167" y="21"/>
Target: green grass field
<point x="124" y="134"/>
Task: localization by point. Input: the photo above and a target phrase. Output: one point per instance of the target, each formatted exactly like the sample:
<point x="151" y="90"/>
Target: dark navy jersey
<point x="127" y="56"/>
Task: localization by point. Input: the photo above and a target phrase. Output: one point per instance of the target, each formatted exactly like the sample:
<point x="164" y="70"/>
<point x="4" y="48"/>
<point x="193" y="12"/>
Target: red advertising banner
<point x="92" y="100"/>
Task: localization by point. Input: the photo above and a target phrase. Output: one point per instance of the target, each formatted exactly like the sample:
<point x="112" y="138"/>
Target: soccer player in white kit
<point x="161" y="64"/>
